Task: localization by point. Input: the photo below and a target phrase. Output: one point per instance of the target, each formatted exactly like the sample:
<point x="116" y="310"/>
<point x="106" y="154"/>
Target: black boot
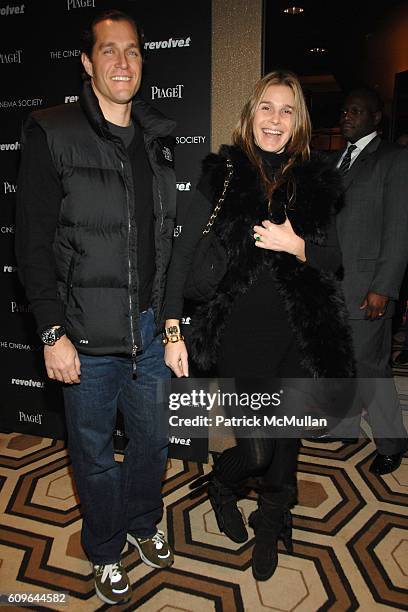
<point x="271" y="522"/>
<point x="229" y="518"/>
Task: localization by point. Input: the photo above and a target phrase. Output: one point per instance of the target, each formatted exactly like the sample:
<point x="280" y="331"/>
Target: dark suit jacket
<point x="373" y="224"/>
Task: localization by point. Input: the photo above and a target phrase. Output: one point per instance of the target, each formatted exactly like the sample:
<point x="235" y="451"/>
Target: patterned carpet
<point x="350" y="537"/>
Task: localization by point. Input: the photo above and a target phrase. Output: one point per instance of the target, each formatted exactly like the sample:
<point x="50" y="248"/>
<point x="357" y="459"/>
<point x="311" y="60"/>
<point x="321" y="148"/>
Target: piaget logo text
<point x="9" y="187"/>
<point x="20" y="307"/>
<point x="74" y="4"/>
<point x="12" y="57"/>
<point x="30" y="418"/>
<point x="167" y="92"/>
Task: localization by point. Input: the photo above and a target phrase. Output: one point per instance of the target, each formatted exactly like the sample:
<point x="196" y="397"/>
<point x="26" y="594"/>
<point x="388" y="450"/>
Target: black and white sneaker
<point x="112" y="583"/>
<point x="153" y="550"/>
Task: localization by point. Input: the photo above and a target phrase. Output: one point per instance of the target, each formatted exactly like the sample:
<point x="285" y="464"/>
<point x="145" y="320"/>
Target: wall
<point x="236" y="62"/>
<point x="387" y="53"/>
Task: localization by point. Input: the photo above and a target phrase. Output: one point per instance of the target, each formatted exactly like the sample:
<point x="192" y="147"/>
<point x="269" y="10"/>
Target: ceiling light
<point x="293" y="10"/>
<point x="318" y="50"/>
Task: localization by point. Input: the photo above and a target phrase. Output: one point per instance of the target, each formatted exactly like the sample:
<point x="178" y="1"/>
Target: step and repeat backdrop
<point x="40" y="67"/>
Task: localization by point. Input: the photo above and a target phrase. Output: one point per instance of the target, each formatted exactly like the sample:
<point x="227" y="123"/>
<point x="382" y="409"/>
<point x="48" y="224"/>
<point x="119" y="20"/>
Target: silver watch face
<point x="50" y="336"/>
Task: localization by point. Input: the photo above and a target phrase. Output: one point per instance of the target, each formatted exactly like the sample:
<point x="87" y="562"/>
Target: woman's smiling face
<point x="274" y="118"/>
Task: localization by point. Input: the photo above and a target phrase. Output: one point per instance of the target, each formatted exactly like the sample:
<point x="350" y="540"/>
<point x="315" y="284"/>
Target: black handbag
<point x="209" y="263"/>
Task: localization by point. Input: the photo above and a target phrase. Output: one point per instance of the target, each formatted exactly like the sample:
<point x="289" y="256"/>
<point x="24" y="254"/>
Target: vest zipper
<point x="159" y="253"/>
<point x="70" y="277"/>
<point x="132" y="333"/>
<point x="161" y="206"/>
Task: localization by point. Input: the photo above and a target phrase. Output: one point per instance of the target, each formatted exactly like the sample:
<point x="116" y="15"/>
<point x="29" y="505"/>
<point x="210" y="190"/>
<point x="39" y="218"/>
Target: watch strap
<point x="50" y="335"/>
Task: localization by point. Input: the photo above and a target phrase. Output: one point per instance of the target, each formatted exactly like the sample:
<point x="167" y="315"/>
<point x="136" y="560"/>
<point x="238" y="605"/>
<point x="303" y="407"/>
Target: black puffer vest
<point x="95" y="243"/>
<point x="313" y="298"/>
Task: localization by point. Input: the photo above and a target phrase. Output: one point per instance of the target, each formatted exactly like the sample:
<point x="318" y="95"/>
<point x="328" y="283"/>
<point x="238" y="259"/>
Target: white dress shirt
<point x="360" y="144"/>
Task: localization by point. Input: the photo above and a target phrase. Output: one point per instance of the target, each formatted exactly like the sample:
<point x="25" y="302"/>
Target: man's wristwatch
<point x="50" y="335"/>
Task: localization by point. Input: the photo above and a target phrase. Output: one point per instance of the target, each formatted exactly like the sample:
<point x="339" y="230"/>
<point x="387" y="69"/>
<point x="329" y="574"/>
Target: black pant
<point x="262" y="357"/>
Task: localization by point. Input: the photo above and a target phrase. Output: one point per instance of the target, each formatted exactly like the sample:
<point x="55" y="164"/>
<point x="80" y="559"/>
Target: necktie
<point x="345" y="164"/>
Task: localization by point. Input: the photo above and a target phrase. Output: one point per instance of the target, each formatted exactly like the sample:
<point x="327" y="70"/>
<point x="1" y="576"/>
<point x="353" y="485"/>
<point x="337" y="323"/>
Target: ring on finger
<point x="257" y="237"/>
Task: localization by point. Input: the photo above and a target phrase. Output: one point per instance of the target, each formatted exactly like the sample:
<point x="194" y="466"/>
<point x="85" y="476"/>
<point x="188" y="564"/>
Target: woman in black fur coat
<point x="277" y="311"/>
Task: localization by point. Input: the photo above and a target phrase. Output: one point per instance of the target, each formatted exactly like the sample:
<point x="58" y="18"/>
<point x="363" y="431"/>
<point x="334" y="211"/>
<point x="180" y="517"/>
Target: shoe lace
<point x="112" y="571"/>
<point x="158" y="539"/>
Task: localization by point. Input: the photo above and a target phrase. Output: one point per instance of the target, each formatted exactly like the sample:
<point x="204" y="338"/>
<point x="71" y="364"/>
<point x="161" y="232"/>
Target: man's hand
<point x="375" y="305"/>
<point x="62" y="361"/>
<point x="176" y="358"/>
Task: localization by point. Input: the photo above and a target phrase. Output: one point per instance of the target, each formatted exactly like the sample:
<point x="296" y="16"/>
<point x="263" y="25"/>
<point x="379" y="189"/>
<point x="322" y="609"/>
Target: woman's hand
<point x="279" y="238"/>
<point x="176" y="358"/>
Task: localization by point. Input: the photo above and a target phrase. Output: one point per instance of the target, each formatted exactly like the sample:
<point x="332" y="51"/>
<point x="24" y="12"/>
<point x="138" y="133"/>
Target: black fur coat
<point x="312" y="297"/>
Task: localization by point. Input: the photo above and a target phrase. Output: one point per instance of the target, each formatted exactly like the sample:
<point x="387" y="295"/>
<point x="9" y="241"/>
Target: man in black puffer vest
<point x="95" y="217"/>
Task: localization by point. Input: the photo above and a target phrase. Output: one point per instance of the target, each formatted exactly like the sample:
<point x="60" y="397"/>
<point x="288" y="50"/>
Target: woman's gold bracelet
<point x="176" y="337"/>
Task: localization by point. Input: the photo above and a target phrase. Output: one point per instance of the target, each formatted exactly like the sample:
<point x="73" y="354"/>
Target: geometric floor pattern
<point x="350" y="538"/>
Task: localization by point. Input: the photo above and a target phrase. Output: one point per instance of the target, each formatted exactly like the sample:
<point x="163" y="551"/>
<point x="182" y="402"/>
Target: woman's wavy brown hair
<point x="298" y="144"/>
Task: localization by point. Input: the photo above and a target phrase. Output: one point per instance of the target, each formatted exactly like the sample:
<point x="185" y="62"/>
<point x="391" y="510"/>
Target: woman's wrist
<point x="172" y="333"/>
<point x="171" y="322"/>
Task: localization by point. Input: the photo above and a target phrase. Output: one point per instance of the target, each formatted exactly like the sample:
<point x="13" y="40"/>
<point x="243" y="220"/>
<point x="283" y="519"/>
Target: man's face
<point x="116" y="63"/>
<point x="357" y="119"/>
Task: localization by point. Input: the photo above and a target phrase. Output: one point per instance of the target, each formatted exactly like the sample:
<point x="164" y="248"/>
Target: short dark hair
<point x="372" y="97"/>
<point x="88" y="36"/>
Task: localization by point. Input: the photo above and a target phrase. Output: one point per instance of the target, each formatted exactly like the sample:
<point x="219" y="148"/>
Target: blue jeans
<point x="118" y="497"/>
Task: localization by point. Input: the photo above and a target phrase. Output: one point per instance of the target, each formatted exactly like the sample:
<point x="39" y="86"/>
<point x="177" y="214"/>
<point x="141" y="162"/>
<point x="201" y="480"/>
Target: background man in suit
<point x="373" y="228"/>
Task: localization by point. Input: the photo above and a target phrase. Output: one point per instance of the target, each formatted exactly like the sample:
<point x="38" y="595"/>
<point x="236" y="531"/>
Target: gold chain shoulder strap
<point x="230" y="171"/>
